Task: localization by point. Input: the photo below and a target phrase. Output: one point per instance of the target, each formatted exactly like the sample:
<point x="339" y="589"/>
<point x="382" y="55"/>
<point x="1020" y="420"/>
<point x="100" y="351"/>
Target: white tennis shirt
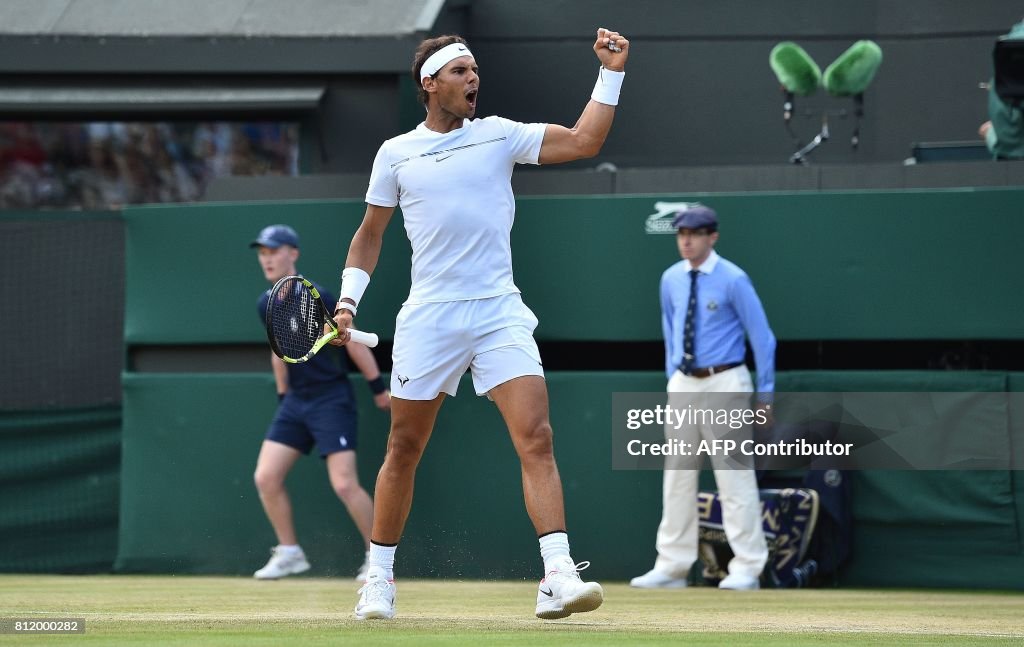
<point x="455" y="191"/>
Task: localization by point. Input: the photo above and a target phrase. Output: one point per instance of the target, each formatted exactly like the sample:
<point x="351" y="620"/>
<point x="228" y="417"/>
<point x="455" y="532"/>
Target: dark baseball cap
<point x="696" y="217"/>
<point x="276" y="235"/>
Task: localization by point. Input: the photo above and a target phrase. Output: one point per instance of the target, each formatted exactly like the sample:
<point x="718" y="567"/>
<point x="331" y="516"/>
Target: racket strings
<point x="296" y="320"/>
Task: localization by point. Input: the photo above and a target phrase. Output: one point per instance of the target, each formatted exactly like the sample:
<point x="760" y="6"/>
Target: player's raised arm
<point x="585" y="139"/>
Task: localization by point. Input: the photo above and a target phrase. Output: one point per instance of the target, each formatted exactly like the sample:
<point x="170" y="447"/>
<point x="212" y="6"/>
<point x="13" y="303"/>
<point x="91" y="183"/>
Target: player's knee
<point x="346" y="488"/>
<point x="537" y="442"/>
<point x="403" y="453"/>
<point x="267" y="481"/>
<point x="405" y="448"/>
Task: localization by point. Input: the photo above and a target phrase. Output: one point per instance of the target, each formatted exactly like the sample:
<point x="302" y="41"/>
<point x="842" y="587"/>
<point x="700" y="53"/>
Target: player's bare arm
<point x="586" y="138"/>
<point x="280" y="374"/>
<point x="363" y="253"/>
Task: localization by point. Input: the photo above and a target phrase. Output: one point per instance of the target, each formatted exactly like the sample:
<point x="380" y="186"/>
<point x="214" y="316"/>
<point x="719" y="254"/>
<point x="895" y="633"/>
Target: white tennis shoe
<point x="361" y="573"/>
<point x="377" y="596"/>
<point x="562" y="592"/>
<point x="283" y="563"/>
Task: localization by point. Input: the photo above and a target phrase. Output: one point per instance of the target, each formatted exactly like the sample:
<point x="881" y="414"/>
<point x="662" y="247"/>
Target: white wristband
<point x="353" y="283"/>
<point x="606" y="90"/>
<point x="345" y="305"/>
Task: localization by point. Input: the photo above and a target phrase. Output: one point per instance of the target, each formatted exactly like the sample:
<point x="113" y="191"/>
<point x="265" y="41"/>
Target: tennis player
<point x="316" y="406"/>
<point x="451" y="176"/>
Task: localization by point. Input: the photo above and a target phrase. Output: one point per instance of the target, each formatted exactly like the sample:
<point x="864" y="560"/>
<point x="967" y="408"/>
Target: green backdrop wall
<point x="867" y="265"/>
<point x="870" y="265"/>
<point x="188" y="504"/>
<point x="828" y="265"/>
<point x="60" y="475"/>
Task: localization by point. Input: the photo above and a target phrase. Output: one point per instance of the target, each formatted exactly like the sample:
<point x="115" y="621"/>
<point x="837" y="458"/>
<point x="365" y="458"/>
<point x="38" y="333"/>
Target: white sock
<point x="289" y="549"/>
<point x="554" y="550"/>
<point x="383" y="556"/>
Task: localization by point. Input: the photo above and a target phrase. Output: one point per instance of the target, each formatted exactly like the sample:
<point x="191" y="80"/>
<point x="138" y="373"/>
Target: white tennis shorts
<point x="436" y="342"/>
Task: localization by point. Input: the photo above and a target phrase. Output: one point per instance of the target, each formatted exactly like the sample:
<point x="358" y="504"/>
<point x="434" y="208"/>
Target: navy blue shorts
<point x="327" y="419"/>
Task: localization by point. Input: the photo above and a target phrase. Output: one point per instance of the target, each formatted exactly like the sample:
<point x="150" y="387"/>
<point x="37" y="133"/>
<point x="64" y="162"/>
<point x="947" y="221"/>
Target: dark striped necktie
<point x="690" y="327"/>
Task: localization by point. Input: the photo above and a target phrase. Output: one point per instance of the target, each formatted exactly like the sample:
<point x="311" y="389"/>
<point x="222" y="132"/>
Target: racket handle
<point x="367" y="339"/>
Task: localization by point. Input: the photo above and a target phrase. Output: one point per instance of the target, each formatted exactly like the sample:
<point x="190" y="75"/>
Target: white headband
<point x="443" y="57"/>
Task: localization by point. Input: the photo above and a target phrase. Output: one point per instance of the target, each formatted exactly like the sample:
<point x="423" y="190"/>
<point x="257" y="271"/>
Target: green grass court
<point x="188" y="610"/>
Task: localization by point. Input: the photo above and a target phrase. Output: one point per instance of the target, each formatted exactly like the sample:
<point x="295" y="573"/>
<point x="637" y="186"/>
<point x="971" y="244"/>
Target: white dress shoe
<point x="655" y="579"/>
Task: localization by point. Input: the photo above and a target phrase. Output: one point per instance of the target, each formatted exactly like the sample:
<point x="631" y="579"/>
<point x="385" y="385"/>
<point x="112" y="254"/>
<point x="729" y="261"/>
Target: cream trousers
<point x="741" y="503"/>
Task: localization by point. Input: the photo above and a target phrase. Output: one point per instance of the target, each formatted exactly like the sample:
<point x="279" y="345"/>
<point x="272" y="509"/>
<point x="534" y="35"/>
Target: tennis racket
<point x="295" y="319"/>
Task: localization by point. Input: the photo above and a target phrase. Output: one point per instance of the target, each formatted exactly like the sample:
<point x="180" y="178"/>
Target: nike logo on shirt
<point x="450" y="151"/>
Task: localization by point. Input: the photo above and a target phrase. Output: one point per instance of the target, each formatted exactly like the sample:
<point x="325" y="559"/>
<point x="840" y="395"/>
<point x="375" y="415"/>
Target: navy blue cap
<point x="696" y="217"/>
<point x="276" y="235"/>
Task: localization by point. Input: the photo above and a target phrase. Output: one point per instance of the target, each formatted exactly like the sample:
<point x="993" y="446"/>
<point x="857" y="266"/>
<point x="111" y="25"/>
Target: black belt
<point x="711" y="370"/>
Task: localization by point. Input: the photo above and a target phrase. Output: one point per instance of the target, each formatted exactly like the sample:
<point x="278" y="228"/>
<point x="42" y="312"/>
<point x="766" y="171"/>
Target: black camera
<point x="1008" y="56"/>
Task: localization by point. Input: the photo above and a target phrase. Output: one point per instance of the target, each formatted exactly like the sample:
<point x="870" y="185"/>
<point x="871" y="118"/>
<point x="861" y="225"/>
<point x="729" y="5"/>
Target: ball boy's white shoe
<point x="283" y="563"/>
<point x="361" y="573"/>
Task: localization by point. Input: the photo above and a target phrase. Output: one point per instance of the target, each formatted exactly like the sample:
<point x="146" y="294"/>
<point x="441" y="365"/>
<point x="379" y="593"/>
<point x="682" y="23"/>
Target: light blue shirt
<point x="728" y="312"/>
